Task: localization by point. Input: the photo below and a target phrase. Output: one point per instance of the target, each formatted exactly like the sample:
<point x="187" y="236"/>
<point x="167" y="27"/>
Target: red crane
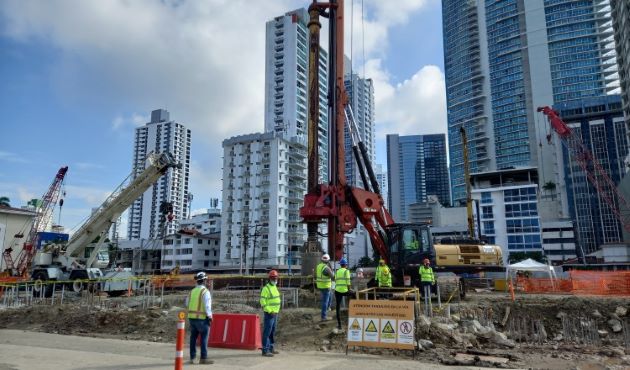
<point x="335" y="202"/>
<point x="44" y="214"/>
<point x="598" y="177"/>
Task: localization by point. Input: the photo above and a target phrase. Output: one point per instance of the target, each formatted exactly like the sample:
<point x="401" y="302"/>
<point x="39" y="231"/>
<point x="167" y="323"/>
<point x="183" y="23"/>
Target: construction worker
<point x="342" y="287"/>
<point x="199" y="303"/>
<point x="427" y="278"/>
<point x="383" y="275"/>
<point x="270" y="303"/>
<point x="323" y="280"/>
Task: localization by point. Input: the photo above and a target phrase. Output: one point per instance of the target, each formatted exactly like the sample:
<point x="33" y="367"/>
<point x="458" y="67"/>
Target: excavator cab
<point x="408" y="245"/>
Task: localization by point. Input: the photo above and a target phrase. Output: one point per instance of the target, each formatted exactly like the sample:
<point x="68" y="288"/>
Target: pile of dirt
<point x="121" y="323"/>
<point x="478" y="332"/>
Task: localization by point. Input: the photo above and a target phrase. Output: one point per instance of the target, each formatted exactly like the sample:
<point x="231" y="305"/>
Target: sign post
<point x="381" y="324"/>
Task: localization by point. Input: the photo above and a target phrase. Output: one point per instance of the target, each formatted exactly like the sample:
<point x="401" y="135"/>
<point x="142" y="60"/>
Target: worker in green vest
<point x="199" y="303"/>
<point x="323" y="280"/>
<point x="342" y="287"/>
<point x="383" y="275"/>
<point x="427" y="278"/>
<point x="270" y="302"/>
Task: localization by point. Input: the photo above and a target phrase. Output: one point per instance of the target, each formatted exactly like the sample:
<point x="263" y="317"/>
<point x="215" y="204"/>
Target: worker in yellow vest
<point x="270" y="302"/>
<point x="427" y="278"/>
<point x="383" y="275"/>
<point x="342" y="287"/>
<point x="199" y="303"/>
<point x="323" y="280"/>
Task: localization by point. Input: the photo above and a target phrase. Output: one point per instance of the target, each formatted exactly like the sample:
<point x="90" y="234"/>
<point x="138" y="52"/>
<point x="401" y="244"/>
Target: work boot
<point x="275" y="352"/>
<point x="191" y="361"/>
<point x="267" y="354"/>
<point x="206" y="361"/>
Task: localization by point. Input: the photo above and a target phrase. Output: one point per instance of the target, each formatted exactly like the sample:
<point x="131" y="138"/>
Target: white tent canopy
<point x="530" y="265"/>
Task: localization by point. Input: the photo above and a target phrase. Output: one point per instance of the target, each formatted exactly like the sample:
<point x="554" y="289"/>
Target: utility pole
<point x="245" y="244"/>
<point x="254" y="253"/>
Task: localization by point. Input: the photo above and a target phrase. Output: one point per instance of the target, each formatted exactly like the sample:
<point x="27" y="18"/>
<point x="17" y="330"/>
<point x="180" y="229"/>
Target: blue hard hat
<point x="343" y="261"/>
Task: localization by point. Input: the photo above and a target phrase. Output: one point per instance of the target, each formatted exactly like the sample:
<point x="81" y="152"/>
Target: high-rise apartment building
<point x="381" y="177"/>
<point x="160" y="135"/>
<point x="621" y="26"/>
<point x="286" y="83"/>
<point x="417" y="168"/>
<point x="504" y="59"/>
<point x="600" y="123"/>
<point x="361" y="100"/>
<point x="264" y="182"/>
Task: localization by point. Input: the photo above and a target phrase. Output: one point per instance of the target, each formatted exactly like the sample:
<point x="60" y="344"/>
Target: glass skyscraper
<point x="503" y="59"/>
<point x="416" y="169"/>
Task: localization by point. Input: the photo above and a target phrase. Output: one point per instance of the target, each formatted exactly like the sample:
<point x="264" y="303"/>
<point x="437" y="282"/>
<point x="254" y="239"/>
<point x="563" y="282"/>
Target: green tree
<point x="5" y="202"/>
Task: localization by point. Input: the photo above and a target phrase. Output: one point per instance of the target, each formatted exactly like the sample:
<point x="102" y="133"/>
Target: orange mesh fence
<point x="614" y="283"/>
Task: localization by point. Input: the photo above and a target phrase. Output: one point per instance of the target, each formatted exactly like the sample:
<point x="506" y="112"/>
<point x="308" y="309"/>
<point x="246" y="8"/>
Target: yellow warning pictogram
<point x="371" y="327"/>
<point x="388" y="328"/>
<point x="355" y="325"/>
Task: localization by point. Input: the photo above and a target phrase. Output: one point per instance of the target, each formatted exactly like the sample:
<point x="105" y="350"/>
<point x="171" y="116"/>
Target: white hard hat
<point x="325" y="257"/>
<point x="201" y="276"/>
<point x="360" y="269"/>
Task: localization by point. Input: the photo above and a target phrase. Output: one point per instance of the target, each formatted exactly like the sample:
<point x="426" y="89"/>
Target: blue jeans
<point x="199" y="327"/>
<point x="326" y="300"/>
<point x="270" y="321"/>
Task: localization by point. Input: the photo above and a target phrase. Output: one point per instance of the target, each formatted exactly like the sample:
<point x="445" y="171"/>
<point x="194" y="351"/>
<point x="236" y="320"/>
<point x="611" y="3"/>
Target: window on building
<point x="199" y="241"/>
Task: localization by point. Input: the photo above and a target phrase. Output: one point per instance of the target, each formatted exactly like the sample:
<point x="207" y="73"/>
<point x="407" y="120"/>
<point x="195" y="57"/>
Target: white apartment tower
<point x="286" y="83"/>
<point x="146" y="221"/>
<point x="361" y="100"/>
<point x="264" y="182"/>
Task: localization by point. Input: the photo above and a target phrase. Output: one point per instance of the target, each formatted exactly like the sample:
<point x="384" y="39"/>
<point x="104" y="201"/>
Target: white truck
<point x="69" y="262"/>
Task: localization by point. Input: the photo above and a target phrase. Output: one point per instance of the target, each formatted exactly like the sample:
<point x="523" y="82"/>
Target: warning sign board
<point x="370" y="329"/>
<point x="405" y="332"/>
<point x="388" y="331"/>
<point x="355" y="329"/>
<point x="383" y="323"/>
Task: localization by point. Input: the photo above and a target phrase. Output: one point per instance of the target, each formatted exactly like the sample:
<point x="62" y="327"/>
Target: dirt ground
<point x="300" y="330"/>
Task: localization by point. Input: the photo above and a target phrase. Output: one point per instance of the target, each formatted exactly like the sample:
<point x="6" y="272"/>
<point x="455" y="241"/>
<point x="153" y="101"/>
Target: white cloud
<point x="201" y="60"/>
<point x="132" y="121"/>
<point x="413" y="107"/>
<point x="92" y="197"/>
<point x="12" y="157"/>
<point x="25" y="195"/>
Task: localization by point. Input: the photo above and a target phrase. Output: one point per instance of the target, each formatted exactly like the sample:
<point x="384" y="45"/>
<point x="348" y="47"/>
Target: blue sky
<point x="77" y="77"/>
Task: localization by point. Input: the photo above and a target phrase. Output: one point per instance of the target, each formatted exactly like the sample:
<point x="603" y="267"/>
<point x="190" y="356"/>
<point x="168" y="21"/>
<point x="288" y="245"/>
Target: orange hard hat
<point x="273" y="274"/>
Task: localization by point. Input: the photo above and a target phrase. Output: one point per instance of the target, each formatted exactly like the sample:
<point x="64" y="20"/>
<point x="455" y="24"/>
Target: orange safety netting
<point x="616" y="283"/>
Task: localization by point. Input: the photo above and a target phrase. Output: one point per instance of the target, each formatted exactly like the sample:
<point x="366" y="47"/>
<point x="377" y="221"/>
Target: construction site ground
<point x="479" y="332"/>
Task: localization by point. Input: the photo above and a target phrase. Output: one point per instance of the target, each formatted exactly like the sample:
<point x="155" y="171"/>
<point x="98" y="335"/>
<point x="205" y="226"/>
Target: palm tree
<point x="5" y="202"/>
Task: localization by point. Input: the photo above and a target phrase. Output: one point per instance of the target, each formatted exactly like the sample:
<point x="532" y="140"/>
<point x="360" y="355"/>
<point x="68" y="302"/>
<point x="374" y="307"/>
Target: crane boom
<point x="598" y="177"/>
<point x="109" y="211"/>
<point x="44" y="213"/>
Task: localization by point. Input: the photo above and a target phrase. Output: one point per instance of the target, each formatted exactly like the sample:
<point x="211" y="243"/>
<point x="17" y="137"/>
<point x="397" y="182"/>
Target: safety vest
<point x="270" y="298"/>
<point x="196" y="306"/>
<point x="384" y="276"/>
<point x="342" y="280"/>
<point x="426" y="274"/>
<point x="323" y="282"/>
